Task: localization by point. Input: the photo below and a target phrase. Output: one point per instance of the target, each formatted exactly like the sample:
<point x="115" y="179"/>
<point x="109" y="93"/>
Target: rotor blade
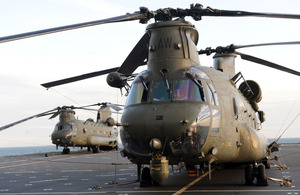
<point x="26" y="119"/>
<point x="78" y="78"/>
<point x="97" y="104"/>
<point x="136" y="57"/>
<point x="231" y="48"/>
<point x="55" y="114"/>
<point x="236" y="13"/>
<point x="267" y="63"/>
<point x="115" y="107"/>
<point x="90" y="109"/>
<point x="266" y="44"/>
<point x="123" y="18"/>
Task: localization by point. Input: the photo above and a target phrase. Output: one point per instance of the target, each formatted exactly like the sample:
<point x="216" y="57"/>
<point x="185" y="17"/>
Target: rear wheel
<point x="261" y="176"/>
<point x="249" y="175"/>
<point x="96" y="149"/>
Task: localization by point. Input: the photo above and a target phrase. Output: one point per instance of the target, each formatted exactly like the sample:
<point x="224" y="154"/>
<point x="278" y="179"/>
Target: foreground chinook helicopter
<point x="178" y="111"/>
<point x="72" y="132"/>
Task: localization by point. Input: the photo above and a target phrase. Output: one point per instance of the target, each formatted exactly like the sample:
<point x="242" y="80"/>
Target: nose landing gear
<point x="156" y="174"/>
<point x="66" y="150"/>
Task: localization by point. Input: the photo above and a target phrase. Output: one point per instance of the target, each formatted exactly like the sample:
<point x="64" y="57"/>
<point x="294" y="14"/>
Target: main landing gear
<point x="66" y="150"/>
<point x="256" y="172"/>
<point x="96" y="149"/>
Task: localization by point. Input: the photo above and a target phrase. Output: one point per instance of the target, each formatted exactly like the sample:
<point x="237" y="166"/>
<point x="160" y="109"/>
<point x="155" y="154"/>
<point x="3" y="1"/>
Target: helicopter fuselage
<point x="185" y="112"/>
<point x="221" y="121"/>
<point x="70" y="131"/>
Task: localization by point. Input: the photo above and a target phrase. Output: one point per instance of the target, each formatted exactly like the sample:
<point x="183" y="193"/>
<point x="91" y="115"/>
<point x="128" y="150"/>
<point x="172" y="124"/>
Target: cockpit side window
<point x="188" y="90"/>
<point x="213" y="98"/>
<point x="138" y="93"/>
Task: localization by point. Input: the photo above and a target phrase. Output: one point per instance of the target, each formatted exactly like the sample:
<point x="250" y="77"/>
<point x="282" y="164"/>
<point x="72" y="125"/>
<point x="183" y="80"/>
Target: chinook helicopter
<point x="177" y="110"/>
<point x="71" y="132"/>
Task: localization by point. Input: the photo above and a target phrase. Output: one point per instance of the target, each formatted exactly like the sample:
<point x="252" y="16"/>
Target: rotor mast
<point x="225" y="63"/>
<point x="172" y="45"/>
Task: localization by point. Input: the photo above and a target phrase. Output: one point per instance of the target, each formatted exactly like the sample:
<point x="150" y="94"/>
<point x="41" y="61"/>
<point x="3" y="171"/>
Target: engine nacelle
<point x="114" y="79"/>
<point x="256" y="96"/>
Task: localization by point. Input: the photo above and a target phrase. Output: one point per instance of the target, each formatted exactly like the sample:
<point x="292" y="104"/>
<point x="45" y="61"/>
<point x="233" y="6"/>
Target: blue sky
<point x="25" y="64"/>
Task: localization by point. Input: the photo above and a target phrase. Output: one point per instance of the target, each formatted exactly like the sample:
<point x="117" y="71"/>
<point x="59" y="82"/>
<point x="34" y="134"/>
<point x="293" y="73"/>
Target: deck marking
<point x="192" y="183"/>
<point x="20" y="172"/>
<point x="67" y="171"/>
<point x="118" y="174"/>
<point x="48" y="180"/>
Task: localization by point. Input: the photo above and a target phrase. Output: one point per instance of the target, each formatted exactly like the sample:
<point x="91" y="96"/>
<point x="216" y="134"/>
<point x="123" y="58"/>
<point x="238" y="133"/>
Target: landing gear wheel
<point x="146" y="180"/>
<point x="261" y="176"/>
<point x="96" y="149"/>
<point x="249" y="175"/>
<point x="66" y="151"/>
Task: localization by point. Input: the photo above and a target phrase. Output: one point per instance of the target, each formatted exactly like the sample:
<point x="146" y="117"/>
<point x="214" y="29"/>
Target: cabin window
<point x="197" y="73"/>
<point x="162" y="91"/>
<point x="215" y="121"/>
<point x="188" y="90"/>
<point x="74" y="128"/>
<point x="203" y="118"/>
<point x="238" y="108"/>
<point x="212" y="95"/>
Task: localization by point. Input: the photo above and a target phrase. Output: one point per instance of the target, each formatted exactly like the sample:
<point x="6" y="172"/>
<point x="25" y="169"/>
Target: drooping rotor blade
<point x="235" y="13"/>
<point x="136" y="57"/>
<point x="78" y="78"/>
<point x="128" y="17"/>
<point x="90" y="109"/>
<point x="55" y="114"/>
<point x="28" y="118"/>
<point x="115" y="107"/>
<point x="231" y="48"/>
<point x="267" y="63"/>
<point x="266" y="44"/>
<point x="195" y="11"/>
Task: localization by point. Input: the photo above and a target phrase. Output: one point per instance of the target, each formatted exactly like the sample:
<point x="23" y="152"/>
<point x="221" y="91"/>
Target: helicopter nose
<point x="61" y="137"/>
<point x="161" y="123"/>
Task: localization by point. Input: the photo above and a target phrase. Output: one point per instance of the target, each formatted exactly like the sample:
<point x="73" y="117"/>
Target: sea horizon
<point x="14" y="151"/>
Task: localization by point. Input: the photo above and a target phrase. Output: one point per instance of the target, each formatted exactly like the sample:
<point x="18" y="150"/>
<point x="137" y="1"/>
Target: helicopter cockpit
<point x="197" y="106"/>
<point x="63" y="132"/>
<point x="65" y="127"/>
<point x="190" y="86"/>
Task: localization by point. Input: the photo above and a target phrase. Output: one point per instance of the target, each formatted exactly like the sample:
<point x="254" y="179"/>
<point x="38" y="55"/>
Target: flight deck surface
<point x="108" y="173"/>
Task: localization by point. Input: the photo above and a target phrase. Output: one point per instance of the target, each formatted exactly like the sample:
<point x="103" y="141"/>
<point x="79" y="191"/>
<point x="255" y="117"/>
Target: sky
<point x="25" y="64"/>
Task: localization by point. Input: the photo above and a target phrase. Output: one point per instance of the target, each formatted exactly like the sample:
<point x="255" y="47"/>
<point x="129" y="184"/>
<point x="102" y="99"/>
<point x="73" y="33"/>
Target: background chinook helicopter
<point x="72" y="132"/>
<point x="198" y="28"/>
